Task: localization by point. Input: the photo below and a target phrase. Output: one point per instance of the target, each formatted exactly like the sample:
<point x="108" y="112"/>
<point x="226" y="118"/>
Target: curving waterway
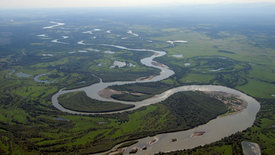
<point x="214" y="130"/>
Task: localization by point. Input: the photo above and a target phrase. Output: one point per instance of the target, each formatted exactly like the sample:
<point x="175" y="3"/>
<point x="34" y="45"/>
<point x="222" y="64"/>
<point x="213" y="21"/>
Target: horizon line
<point x="138" y="6"/>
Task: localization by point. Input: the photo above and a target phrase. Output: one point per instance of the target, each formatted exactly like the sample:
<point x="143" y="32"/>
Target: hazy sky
<point x="109" y="3"/>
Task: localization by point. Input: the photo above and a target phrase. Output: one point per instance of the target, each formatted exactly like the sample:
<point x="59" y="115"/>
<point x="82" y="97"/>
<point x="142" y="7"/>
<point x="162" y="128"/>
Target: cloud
<point x="109" y="3"/>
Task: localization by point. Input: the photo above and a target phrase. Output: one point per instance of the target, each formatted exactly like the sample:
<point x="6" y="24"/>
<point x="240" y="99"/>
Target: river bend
<point x="215" y="129"/>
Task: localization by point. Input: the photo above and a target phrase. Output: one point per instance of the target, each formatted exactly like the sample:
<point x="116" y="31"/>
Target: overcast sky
<point x="109" y="3"/>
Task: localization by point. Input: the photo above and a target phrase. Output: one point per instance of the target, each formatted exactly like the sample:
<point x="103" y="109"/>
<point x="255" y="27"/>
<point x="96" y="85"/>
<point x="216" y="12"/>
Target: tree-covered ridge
<point x="193" y="108"/>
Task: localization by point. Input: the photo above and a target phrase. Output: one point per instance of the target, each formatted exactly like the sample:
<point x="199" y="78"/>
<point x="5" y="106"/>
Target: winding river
<point x="214" y="130"/>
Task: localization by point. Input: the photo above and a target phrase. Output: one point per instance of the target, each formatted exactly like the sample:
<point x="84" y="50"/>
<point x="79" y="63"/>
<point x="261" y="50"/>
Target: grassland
<point x="258" y="60"/>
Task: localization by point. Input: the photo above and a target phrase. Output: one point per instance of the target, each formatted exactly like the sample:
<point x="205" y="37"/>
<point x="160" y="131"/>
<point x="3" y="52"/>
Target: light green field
<point x="258" y="89"/>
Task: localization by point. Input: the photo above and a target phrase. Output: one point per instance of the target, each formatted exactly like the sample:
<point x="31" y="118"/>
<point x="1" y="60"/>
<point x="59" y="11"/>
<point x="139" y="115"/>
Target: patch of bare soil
<point x="234" y="102"/>
<point x="151" y="142"/>
<point x="159" y="64"/>
<point x="197" y="133"/>
<point x="145" y="78"/>
<point x="107" y="93"/>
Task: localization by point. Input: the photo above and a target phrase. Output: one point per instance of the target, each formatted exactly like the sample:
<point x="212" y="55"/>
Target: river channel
<point x="214" y="130"/>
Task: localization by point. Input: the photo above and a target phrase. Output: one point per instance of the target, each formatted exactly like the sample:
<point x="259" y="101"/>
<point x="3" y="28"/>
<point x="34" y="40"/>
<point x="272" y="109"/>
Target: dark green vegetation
<point x="79" y="101"/>
<point x="262" y="132"/>
<point x="193" y="108"/>
<point x="87" y="134"/>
